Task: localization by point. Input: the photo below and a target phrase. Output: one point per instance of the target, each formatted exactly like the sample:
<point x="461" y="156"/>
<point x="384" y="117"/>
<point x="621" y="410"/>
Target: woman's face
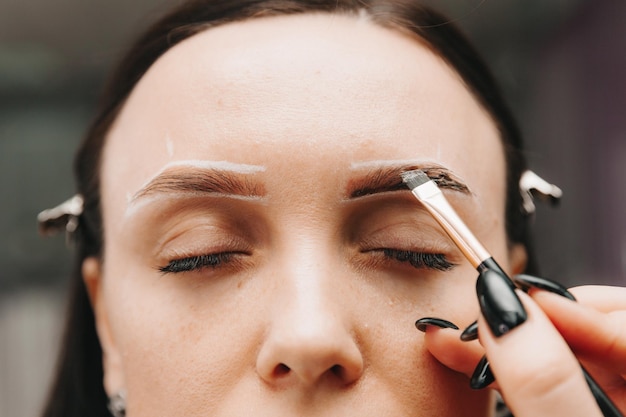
<point x="261" y="257"/>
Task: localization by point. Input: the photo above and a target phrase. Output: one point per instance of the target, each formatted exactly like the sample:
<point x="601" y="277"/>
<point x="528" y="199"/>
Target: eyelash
<point x="418" y="260"/>
<point x="194" y="263"/>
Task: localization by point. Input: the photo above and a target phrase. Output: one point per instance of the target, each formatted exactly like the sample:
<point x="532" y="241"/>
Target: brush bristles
<point x="415" y="178"/>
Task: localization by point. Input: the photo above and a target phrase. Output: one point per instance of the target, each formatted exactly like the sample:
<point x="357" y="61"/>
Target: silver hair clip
<point x="62" y="217"/>
<point x="533" y="186"/>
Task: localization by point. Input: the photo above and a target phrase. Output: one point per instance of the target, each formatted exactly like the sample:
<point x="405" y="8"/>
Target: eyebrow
<point x="195" y="180"/>
<point x="386" y="179"/>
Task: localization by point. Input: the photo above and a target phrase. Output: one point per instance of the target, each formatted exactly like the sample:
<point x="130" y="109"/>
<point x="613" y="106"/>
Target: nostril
<point x="281" y="370"/>
<point x="337" y="370"/>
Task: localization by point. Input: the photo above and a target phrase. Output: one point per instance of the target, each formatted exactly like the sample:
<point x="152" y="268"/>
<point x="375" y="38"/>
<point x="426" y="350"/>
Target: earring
<point x="117" y="404"/>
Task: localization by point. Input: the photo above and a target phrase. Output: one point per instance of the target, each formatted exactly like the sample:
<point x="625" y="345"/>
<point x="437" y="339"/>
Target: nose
<point x="309" y="340"/>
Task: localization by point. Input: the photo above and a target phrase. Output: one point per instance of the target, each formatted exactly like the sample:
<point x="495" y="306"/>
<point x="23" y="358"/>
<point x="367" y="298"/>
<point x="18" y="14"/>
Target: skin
<point x="310" y="318"/>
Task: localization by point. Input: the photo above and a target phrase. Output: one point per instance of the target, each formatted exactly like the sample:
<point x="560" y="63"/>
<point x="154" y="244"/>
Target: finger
<point x="597" y="336"/>
<point x="537" y="373"/>
<point x="601" y="298"/>
<point x="445" y="345"/>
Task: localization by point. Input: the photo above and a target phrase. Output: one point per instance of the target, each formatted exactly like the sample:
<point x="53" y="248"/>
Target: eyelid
<point x="419" y="239"/>
<point x="195" y="236"/>
<point x="408" y="238"/>
<point x="154" y="225"/>
<point x="377" y="212"/>
<point x="196" y="248"/>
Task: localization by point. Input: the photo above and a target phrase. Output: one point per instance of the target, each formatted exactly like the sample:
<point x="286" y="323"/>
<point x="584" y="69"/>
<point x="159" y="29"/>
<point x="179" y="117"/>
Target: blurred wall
<point x="561" y="63"/>
<point x="576" y="127"/>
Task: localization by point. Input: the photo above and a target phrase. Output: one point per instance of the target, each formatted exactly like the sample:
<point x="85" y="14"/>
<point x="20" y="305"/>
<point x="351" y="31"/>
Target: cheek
<point x="458" y="301"/>
<point x="412" y="376"/>
<point x="177" y="338"/>
<point x="452" y="296"/>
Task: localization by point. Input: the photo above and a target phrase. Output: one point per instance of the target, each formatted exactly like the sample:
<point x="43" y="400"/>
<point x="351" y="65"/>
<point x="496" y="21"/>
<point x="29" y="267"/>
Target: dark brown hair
<point x="77" y="388"/>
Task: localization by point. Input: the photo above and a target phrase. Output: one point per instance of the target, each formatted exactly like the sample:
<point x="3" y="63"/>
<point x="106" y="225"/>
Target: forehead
<point x="305" y="89"/>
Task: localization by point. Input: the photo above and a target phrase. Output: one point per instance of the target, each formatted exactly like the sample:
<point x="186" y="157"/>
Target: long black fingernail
<point x="482" y="375"/>
<point x="470" y="333"/>
<point x="526" y="282"/>
<point x="423" y="323"/>
<point x="501" y="307"/>
<point x="608" y="408"/>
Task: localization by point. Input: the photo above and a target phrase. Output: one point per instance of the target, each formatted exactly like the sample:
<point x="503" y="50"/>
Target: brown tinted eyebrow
<point x="201" y="181"/>
<point x="385" y="179"/>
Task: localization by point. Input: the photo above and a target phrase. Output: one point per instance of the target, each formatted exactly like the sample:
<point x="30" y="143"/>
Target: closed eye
<point x="196" y="263"/>
<point x="419" y="260"/>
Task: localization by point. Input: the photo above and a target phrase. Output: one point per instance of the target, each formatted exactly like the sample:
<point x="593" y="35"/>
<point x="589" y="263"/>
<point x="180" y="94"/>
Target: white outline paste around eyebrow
<point x="169" y="145"/>
<point x="195" y="163"/>
<point x="221" y="165"/>
<point x="394" y="162"/>
<point x="430" y="163"/>
<point x="134" y="206"/>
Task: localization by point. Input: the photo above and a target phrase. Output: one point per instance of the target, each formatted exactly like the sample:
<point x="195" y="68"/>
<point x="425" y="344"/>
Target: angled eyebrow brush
<point x="496" y="291"/>
<point x="429" y="194"/>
